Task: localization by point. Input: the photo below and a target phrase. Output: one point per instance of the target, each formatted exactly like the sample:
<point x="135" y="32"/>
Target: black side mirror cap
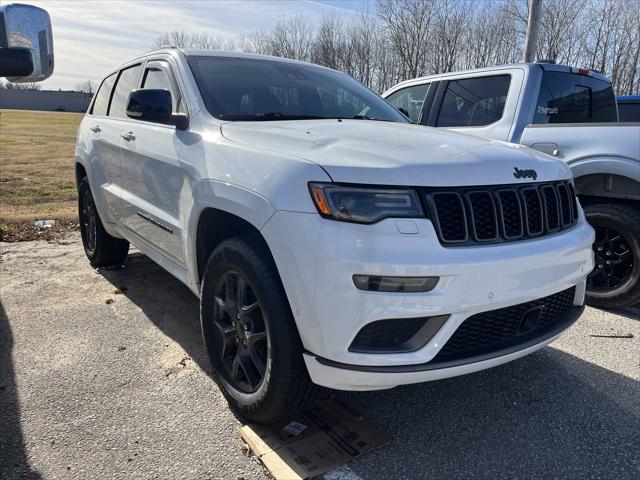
<point x="404" y="112"/>
<point x="180" y="120"/>
<point x="151" y="105"/>
<point x="15" y="62"/>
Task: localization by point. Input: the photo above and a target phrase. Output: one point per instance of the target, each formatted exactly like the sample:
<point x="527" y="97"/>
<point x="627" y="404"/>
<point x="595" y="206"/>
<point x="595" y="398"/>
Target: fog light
<point x="395" y="284"/>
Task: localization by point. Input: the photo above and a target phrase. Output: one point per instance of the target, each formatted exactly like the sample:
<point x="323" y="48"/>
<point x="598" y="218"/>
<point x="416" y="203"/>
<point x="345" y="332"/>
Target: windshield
<point x="261" y="89"/>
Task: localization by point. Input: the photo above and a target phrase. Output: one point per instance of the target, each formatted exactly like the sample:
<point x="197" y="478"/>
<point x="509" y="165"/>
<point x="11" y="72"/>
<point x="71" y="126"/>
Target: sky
<point x="92" y="37"/>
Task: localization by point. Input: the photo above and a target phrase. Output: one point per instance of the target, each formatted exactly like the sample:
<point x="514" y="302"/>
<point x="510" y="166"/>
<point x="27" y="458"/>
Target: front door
<point x="155" y="181"/>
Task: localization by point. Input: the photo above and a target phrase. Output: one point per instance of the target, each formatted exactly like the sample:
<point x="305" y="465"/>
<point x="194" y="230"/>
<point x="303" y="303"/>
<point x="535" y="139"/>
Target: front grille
<point x="471" y="215"/>
<point x="499" y="329"/>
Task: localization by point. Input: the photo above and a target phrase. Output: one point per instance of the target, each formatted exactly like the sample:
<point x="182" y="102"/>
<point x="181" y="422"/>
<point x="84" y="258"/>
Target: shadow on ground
<point x="549" y="415"/>
<point x="13" y="457"/>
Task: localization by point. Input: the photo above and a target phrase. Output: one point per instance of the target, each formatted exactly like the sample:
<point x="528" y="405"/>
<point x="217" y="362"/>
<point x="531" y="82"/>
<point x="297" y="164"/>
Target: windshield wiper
<point x="268" y="116"/>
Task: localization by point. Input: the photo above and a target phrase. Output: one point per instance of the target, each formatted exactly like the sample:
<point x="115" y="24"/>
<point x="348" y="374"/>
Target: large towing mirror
<point x="26" y="43"/>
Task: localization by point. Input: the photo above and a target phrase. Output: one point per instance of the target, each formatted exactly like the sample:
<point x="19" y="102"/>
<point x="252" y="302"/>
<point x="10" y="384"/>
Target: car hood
<point x="386" y="153"/>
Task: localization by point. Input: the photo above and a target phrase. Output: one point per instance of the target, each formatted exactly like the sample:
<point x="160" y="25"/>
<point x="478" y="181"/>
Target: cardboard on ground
<point x="321" y="439"/>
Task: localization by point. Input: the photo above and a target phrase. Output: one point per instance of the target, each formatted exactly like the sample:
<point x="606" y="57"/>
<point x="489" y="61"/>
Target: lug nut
<point x="237" y="340"/>
<point x="244" y="342"/>
<point x="608" y="262"/>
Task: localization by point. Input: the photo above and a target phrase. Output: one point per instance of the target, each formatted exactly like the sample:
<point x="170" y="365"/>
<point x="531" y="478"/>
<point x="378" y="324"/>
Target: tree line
<point x="394" y="40"/>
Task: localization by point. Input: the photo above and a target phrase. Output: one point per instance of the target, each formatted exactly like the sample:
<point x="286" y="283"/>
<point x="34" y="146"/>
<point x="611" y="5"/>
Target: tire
<point x="101" y="249"/>
<point x="264" y="379"/>
<point x="615" y="280"/>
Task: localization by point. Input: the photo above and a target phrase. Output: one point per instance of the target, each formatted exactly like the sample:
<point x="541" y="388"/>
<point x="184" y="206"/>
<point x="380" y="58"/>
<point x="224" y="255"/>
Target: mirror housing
<point x="154" y="105"/>
<point x="15" y="62"/>
<point x="25" y="27"/>
<point x="404" y="112"/>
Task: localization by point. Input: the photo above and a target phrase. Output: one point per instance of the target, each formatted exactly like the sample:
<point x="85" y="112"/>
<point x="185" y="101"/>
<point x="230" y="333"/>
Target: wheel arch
<point x="610" y="186"/>
<point x="221" y="211"/>
<point x="610" y="177"/>
<point x="80" y="171"/>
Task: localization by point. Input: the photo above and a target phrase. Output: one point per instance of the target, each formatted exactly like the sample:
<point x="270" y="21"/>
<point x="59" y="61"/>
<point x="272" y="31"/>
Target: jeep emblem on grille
<point x="530" y="173"/>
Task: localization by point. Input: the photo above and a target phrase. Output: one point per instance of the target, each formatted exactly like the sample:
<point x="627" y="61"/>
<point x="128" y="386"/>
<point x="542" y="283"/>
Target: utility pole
<point x="535" y="7"/>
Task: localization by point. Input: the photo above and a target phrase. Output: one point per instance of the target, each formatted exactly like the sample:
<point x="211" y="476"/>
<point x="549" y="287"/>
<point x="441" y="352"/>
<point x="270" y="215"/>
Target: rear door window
<point x="127" y="81"/>
<point x="101" y="103"/>
<point x="474" y="102"/>
<point x="410" y="99"/>
<point x="572" y="98"/>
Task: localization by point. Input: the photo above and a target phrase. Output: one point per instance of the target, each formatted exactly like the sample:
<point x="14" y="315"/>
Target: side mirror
<point x="154" y="105"/>
<point x="403" y="111"/>
<point x="25" y="29"/>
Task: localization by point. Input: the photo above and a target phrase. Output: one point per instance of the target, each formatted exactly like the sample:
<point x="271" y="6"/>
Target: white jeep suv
<point x="330" y="241"/>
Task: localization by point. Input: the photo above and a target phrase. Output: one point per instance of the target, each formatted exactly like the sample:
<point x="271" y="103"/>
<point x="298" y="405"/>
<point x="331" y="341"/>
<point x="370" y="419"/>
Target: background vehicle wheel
<point x="250" y="333"/>
<point x="615" y="280"/>
<point x="102" y="249"/>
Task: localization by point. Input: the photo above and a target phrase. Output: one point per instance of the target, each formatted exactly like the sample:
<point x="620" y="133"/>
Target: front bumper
<point x="317" y="258"/>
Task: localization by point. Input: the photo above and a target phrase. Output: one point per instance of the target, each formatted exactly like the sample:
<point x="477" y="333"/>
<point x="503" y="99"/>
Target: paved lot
<point x="97" y="384"/>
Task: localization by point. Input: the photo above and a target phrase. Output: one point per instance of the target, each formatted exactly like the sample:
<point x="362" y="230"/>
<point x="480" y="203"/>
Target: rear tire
<point x="263" y="380"/>
<point x="101" y="249"/>
<point x="615" y="280"/>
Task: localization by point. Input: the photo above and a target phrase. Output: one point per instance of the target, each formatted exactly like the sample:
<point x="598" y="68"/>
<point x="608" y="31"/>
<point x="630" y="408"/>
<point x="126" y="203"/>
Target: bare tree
<point x="21" y="86"/>
<point x="292" y="37"/>
<point x="394" y="40"/>
<point x="88" y="86"/>
<point x="408" y="29"/>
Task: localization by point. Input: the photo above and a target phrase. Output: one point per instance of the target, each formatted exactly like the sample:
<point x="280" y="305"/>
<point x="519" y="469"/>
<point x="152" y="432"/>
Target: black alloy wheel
<point x="88" y="223"/>
<point x="615" y="279"/>
<point x="613" y="261"/>
<point x="102" y="249"/>
<point x="240" y="333"/>
<point x="250" y="334"/>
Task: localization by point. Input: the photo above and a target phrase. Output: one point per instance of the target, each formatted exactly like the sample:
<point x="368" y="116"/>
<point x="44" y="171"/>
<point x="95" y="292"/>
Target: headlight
<point x="364" y="205"/>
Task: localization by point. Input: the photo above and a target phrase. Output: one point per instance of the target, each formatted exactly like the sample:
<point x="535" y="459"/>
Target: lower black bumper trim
<point x="566" y="322"/>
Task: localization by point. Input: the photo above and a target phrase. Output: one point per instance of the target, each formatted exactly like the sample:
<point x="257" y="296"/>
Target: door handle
<point x="128" y="136"/>
<point x="95" y="129"/>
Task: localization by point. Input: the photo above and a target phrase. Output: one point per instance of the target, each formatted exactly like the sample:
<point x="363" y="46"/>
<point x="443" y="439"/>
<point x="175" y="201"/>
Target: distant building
<point x="48" y="100"/>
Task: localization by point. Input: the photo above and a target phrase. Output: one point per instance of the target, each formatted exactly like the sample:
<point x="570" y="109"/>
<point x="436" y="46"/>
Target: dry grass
<point x="36" y="166"/>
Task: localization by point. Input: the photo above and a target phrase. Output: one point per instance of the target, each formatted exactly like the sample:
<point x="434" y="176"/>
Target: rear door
<point x="155" y="181"/>
<point x="106" y="168"/>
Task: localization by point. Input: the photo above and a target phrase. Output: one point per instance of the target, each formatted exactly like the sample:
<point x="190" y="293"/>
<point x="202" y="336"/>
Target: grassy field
<point x="36" y="167"/>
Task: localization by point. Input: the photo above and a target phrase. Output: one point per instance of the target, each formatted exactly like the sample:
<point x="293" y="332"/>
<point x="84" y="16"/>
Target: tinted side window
<point x="629" y="112"/>
<point x="571" y="98"/>
<point x="410" y="99"/>
<point x="101" y="103"/>
<point x="158" y="78"/>
<point x="474" y="102"/>
<point x="127" y="81"/>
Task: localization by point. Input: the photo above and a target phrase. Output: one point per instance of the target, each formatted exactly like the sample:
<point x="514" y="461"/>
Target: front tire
<point x="250" y="334"/>
<point x="615" y="280"/>
<point x="101" y="249"/>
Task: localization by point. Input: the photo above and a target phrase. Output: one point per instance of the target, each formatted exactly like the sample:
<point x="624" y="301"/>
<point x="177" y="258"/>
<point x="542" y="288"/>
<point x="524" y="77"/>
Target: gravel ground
<point x="104" y="375"/>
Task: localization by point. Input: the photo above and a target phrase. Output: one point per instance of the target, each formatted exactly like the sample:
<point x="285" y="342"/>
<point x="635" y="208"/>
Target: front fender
<point x="229" y="198"/>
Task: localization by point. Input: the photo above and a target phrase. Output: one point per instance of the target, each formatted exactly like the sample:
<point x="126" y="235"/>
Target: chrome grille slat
<point x="495" y="214"/>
